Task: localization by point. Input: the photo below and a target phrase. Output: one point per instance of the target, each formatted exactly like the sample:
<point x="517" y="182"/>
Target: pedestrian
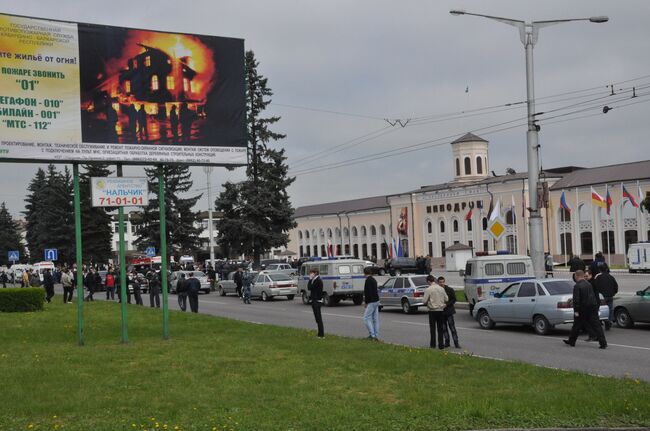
<point x="66" y="281"/>
<point x="34" y="279"/>
<point x="247" y="283"/>
<point x="238" y="278"/>
<point x="584" y="301"/>
<point x="154" y="289"/>
<point x="371" y="298"/>
<point x="435" y="299"/>
<point x="110" y="285"/>
<point x="598" y="263"/>
<point x="576" y="264"/>
<point x="90" y="283"/>
<point x="48" y="284"/>
<point x="592" y="281"/>
<point x="315" y="288"/>
<point x="193" y="287"/>
<point x="24" y="279"/>
<point x="607" y="286"/>
<point x="137" y="292"/>
<point x="181" y="291"/>
<point x="449" y="324"/>
<point x="4" y="279"/>
<point x="548" y="264"/>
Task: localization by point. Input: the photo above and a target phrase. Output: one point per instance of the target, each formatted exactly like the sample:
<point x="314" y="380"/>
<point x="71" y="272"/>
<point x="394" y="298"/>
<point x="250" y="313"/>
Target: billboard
<point x="119" y="191"/>
<point x="84" y="92"/>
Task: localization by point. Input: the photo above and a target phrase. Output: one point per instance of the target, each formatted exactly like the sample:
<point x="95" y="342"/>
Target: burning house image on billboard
<point x="146" y="87"/>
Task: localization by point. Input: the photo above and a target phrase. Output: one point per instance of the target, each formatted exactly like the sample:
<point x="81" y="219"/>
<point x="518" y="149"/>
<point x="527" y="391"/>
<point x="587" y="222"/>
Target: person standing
<point x="137" y="292"/>
<point x="247" y="283"/>
<point x="584" y="300"/>
<point x="154" y="289"/>
<point x="607" y="286"/>
<point x="597" y="265"/>
<point x="238" y="278"/>
<point x="110" y="285"/>
<point x="4" y="279"/>
<point x="435" y="299"/>
<point x="48" y="284"/>
<point x="25" y="279"/>
<point x="181" y="291"/>
<point x="66" y="281"/>
<point x="193" y="287"/>
<point x="548" y="264"/>
<point x="315" y="287"/>
<point x="371" y="298"/>
<point x="90" y="283"/>
<point x="449" y="324"/>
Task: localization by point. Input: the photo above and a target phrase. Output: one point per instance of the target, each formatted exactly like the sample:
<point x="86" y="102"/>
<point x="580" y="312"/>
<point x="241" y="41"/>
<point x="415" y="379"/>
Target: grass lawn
<point x="220" y="374"/>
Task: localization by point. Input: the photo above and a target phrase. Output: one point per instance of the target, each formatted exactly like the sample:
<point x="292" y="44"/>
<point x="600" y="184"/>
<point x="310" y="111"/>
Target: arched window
<point x="321" y="233"/>
<point x="373" y="230"/>
<point x="364" y="232"/>
<point x="458" y="167"/>
<point x="299" y="234"/>
<point x="563" y="215"/>
<point x="511" y="217"/>
<point x="479" y="165"/>
<point x="346" y="232"/>
<point x="455" y="224"/>
<point x="329" y="233"/>
<point x="354" y="231"/>
<point x="442" y="226"/>
<point x="429" y="227"/>
<point x="469" y="225"/>
<point x="382" y="229"/>
<point x="485" y="223"/>
<point x="307" y="236"/>
<point x="468" y="166"/>
<point x="337" y="232"/>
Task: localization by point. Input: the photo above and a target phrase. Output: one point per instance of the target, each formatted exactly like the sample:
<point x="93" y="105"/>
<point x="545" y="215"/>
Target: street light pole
<point x="528" y="33"/>
<point x="208" y="173"/>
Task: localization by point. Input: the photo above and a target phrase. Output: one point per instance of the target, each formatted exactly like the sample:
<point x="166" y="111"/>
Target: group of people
<point x="439" y="299"/>
<point x="243" y="284"/>
<point x="188" y="288"/>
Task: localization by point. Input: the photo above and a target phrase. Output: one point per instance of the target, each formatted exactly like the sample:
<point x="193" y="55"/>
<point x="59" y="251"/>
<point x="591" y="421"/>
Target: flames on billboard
<point x="154" y="91"/>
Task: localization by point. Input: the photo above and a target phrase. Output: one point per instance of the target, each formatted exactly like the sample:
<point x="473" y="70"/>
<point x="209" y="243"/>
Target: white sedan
<point x="268" y="285"/>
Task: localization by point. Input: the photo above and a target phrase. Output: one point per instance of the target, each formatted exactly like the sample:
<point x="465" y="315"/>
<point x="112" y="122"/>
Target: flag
<point x="496" y="212"/>
<point x="400" y="252"/>
<point x="628" y="196"/>
<point x="597" y="199"/>
<point x="513" y="206"/>
<point x="329" y="249"/>
<point x="469" y="214"/>
<point x="563" y="203"/>
<point x="388" y="249"/>
<point x="393" y="251"/>
<point x="608" y="200"/>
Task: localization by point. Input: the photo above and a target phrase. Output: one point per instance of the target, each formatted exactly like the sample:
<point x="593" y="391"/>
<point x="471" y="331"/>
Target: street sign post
<point x="51" y="254"/>
<point x="14" y="256"/>
<point x="496" y="228"/>
<point x="150" y="251"/>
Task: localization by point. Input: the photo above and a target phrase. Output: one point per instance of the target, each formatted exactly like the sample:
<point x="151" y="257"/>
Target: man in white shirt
<point x="435" y="298"/>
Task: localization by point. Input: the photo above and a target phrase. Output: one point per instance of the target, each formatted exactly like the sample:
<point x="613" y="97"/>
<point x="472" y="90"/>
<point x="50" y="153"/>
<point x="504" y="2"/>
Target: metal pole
<point x="122" y="260"/>
<point x="163" y="251"/>
<point x="563" y="230"/>
<point x="80" y="273"/>
<point x="208" y="172"/>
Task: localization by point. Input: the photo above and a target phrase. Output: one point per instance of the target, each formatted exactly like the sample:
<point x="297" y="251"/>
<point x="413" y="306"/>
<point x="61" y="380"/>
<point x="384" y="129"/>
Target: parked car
<point x="342" y="279"/>
<point x="268" y="285"/>
<point x="632" y="309"/>
<point x="283" y="268"/>
<point x="542" y="303"/>
<point x="228" y="286"/>
<point x="375" y="269"/>
<point x="404" y="291"/>
<point x="201" y="276"/>
<point x="402" y="265"/>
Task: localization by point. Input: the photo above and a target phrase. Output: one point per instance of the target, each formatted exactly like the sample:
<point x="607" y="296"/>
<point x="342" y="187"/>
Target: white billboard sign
<point x="119" y="191"/>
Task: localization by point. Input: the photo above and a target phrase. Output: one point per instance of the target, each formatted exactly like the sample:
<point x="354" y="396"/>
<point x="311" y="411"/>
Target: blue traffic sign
<point x="150" y="251"/>
<point x="51" y="254"/>
<point x="14" y="255"/>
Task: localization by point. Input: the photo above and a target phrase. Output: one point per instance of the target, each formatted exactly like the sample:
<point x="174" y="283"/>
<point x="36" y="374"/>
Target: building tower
<point x="470" y="158"/>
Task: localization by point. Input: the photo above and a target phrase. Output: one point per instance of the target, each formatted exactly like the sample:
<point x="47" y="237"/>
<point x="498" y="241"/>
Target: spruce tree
<point x="10" y="238"/>
<point x="56" y="217"/>
<point x="182" y="234"/>
<point x="96" y="227"/>
<point x="263" y="214"/>
<point x="34" y="215"/>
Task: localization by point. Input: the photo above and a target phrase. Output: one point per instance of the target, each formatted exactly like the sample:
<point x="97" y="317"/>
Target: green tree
<point x="10" y="238"/>
<point x="182" y="229"/>
<point x="96" y="228"/>
<point x="33" y="211"/>
<point x="257" y="213"/>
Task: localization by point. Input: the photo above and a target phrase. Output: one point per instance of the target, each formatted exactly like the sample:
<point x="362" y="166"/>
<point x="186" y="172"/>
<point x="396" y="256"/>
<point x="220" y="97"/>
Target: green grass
<point x="460" y="295"/>
<point x="220" y="374"/>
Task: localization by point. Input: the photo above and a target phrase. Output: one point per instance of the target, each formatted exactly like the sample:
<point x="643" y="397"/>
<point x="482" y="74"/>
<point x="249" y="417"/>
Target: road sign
<point x="496" y="228"/>
<point x="150" y="251"/>
<point x="14" y="255"/>
<point x="51" y="254"/>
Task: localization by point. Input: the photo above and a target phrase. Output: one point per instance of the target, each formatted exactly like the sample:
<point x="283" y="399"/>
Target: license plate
<point x="346" y="286"/>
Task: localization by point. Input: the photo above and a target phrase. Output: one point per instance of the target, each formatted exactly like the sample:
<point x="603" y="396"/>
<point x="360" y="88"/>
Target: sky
<point x="340" y="69"/>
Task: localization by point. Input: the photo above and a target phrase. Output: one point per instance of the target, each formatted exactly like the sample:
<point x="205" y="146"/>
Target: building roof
<point x="354" y="205"/>
<point x="604" y="175"/>
<point x="458" y="246"/>
<point x="468" y="137"/>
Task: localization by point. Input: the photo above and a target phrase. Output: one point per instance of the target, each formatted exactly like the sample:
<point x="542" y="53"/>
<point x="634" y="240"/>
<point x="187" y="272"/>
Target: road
<point x="627" y="355"/>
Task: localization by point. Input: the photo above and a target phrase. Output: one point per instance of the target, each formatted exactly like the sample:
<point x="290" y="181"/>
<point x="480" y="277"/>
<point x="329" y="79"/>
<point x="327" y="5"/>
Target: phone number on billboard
<point x="121" y="201"/>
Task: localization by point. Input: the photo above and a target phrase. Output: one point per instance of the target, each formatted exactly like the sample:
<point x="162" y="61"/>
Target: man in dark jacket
<point x="91" y="283"/>
<point x="181" y="291"/>
<point x="597" y="264"/>
<point x="449" y="324"/>
<point x="371" y="298"/>
<point x="193" y="286"/>
<point x="576" y="264"/>
<point x="154" y="289"/>
<point x="584" y="299"/>
<point x="238" y="278"/>
<point x="607" y="286"/>
<point x="315" y="287"/>
<point x="48" y="284"/>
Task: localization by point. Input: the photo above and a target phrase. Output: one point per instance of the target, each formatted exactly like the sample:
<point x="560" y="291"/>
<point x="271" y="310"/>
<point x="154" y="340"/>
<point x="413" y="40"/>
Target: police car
<point x="404" y="291"/>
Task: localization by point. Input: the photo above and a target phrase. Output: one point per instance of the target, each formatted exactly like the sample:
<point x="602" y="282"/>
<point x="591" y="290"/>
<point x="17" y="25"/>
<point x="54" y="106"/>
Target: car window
<point x="389" y="283"/>
<point x="526" y="290"/>
<point x="516" y="268"/>
<point x="199" y="274"/>
<point x="344" y="269"/>
<point x="259" y="279"/>
<point x="493" y="269"/>
<point x="540" y="291"/>
<point x="511" y="291"/>
<point x="419" y="281"/>
<point x="279" y="277"/>
<point x="468" y="269"/>
<point x="559" y="287"/>
<point x="324" y="270"/>
<point x="399" y="283"/>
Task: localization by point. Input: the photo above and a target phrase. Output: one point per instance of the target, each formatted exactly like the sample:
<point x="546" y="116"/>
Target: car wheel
<point x="406" y="307"/>
<point x="623" y="319"/>
<point x="265" y="297"/>
<point x="327" y="300"/>
<point x="358" y="300"/>
<point x="541" y="325"/>
<point x="221" y="291"/>
<point x="485" y="320"/>
<point x="290" y="297"/>
<point x="305" y="298"/>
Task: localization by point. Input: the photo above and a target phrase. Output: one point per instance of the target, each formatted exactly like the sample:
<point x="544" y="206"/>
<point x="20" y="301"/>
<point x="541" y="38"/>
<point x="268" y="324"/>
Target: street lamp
<point x="208" y="173"/>
<point x="528" y="33"/>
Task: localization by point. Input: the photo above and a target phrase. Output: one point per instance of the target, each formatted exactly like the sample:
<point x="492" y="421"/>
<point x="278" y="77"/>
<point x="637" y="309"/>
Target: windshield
<point x="420" y="281"/>
<point x="559" y="287"/>
<point x="279" y="277"/>
<point x="196" y="274"/>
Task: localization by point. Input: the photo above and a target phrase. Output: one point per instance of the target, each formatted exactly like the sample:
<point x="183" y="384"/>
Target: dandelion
<point x="30" y="426"/>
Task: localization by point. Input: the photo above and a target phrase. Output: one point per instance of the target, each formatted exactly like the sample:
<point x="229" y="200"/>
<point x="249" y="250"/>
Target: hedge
<point x="22" y="299"/>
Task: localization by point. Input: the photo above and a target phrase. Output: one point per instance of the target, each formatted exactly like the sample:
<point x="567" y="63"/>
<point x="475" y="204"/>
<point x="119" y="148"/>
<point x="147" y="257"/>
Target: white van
<point x="342" y="279"/>
<point x="487" y="275"/>
<point x="638" y="257"/>
<point x="42" y="266"/>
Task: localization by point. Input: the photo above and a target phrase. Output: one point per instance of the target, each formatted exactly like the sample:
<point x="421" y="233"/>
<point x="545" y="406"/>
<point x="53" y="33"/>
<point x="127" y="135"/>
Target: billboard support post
<point x="122" y="260"/>
<point x="79" y="251"/>
<point x="163" y="251"/>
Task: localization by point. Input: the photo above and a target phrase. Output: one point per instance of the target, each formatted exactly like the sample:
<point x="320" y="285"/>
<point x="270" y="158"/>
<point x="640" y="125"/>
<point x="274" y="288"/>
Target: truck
<point x="638" y="257"/>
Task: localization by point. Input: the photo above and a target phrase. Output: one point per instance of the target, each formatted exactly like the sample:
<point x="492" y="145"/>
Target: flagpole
<point x="563" y="231"/>
<point x="609" y="217"/>
<point x="576" y="227"/>
<point x="639" y="214"/>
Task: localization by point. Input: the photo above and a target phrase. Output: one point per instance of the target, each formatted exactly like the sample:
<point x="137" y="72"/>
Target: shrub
<point x="21" y="299"/>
